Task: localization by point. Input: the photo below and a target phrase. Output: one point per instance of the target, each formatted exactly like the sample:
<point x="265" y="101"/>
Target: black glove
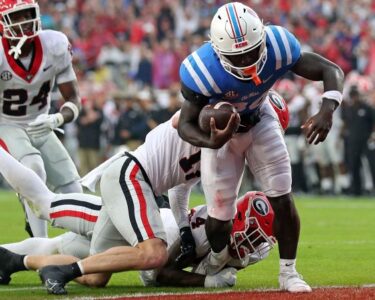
<point x="187" y="254"/>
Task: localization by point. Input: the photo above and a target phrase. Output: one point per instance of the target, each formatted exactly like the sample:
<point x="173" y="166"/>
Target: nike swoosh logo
<point x="288" y="265"/>
<point x="46" y="68"/>
<point x="51" y="284"/>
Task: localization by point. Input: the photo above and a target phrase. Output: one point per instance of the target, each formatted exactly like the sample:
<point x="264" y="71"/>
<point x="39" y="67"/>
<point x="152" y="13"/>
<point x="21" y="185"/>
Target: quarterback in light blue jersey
<point x="240" y="64"/>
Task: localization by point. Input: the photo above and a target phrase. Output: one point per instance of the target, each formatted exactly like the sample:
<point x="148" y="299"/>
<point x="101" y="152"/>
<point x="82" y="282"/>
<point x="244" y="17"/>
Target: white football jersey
<point x="25" y="92"/>
<point x="167" y="159"/>
<point x="197" y="219"/>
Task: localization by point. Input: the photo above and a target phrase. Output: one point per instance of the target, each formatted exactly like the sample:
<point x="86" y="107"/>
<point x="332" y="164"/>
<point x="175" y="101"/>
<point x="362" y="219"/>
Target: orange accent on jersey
<point x="253" y="73"/>
<point x="27" y="75"/>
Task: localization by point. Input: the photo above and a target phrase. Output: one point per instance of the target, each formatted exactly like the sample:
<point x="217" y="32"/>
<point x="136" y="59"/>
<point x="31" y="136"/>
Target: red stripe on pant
<point x="73" y="213"/>
<point x="142" y="202"/>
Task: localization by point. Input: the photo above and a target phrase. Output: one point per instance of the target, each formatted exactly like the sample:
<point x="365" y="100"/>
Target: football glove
<point x="44" y="124"/>
<point x="187" y="248"/>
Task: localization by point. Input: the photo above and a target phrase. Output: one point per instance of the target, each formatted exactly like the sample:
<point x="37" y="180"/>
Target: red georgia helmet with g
<point x="281" y="108"/>
<point x="16" y="28"/>
<point x="252" y="226"/>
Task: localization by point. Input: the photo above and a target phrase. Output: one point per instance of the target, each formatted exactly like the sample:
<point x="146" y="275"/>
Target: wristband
<point x="73" y="108"/>
<point x="333" y="95"/>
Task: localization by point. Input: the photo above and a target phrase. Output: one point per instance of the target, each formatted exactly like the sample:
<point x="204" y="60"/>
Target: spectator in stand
<point x="294" y="138"/>
<point x="89" y="125"/>
<point x="359" y="118"/>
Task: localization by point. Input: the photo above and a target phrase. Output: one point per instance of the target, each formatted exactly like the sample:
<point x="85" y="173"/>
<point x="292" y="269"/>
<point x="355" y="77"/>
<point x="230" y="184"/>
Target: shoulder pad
<point x="57" y="42"/>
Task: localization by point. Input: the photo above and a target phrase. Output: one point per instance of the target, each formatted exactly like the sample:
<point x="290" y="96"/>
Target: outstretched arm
<point x="314" y="67"/>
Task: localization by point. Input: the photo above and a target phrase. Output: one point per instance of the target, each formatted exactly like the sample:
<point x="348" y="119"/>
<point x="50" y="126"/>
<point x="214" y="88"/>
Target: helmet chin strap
<point x="16" y="50"/>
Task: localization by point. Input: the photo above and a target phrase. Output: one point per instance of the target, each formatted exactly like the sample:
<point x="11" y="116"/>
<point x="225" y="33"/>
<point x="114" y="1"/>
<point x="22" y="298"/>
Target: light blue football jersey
<point x="203" y="73"/>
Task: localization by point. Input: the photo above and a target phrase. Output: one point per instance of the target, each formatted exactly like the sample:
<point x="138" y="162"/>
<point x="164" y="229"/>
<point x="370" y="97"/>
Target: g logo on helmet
<point x="260" y="206"/>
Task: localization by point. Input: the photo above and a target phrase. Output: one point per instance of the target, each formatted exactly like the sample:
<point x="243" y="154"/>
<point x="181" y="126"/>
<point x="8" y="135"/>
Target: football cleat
<point x="293" y="283"/>
<point x="7" y="266"/>
<point x="53" y="278"/>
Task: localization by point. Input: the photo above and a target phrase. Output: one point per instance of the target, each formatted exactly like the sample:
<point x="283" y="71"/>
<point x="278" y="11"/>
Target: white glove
<point x="225" y="278"/>
<point x="44" y="124"/>
<point x="213" y="262"/>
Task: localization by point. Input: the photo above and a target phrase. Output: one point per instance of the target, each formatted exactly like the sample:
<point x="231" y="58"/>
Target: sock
<point x="17" y="262"/>
<point x="327" y="184"/>
<point x="218" y="258"/>
<point x="287" y="265"/>
<point x="76" y="269"/>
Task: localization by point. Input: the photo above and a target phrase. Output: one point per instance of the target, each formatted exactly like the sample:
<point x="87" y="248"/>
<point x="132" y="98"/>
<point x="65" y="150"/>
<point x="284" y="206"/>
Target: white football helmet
<point x="239" y="39"/>
<point x="19" y="20"/>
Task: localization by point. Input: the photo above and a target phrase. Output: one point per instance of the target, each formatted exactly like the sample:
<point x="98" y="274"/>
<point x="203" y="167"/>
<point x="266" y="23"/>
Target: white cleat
<point x="293" y="283"/>
<point x="225" y="278"/>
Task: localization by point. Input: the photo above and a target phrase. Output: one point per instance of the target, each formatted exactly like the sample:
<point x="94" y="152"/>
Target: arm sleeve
<point x="179" y="201"/>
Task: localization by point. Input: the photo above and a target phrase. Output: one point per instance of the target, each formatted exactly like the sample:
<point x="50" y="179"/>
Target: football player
<point x="32" y="62"/>
<point x="240" y="64"/>
<point x="130" y="215"/>
<point x="251" y="240"/>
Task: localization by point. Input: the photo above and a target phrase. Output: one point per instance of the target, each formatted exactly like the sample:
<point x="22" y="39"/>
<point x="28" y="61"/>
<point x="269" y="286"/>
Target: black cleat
<point x="7" y="265"/>
<point x="53" y="279"/>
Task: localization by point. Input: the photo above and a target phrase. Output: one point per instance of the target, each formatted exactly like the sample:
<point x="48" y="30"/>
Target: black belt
<point x="248" y="121"/>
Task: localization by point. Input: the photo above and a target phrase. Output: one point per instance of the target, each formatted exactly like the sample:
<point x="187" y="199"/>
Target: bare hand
<point x="317" y="127"/>
<point x="219" y="137"/>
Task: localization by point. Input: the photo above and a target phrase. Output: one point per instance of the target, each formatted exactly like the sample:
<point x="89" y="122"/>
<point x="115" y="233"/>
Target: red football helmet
<point x="252" y="226"/>
<point x="281" y="108"/>
<point x="19" y="21"/>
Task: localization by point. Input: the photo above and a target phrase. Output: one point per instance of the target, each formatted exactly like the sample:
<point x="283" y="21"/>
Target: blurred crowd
<point x="127" y="56"/>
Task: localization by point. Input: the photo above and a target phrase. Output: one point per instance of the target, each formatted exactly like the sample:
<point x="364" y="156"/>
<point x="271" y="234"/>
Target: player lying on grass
<point x="251" y="241"/>
<point x="128" y="226"/>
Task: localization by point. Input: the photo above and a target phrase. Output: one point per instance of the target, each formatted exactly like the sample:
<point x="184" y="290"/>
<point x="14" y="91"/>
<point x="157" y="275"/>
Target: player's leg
<point x="61" y="171"/>
<point x="269" y="161"/>
<point x="17" y="142"/>
<point x="75" y="211"/>
<point x="26" y="182"/>
<point x="221" y="172"/>
<point x="68" y="243"/>
<point x="34" y="225"/>
<point x="130" y="211"/>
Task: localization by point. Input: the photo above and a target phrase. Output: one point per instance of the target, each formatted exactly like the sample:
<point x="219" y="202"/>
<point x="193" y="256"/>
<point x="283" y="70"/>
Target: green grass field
<point x="337" y="248"/>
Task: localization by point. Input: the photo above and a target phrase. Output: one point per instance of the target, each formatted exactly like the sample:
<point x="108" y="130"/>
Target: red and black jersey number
<point x="198" y="220"/>
<point x="14" y="100"/>
<point x="187" y="164"/>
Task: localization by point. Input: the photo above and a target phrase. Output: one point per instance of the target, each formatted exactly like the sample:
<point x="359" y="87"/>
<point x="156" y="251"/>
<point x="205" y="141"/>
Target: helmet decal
<point x="260" y="206"/>
<point x="236" y="30"/>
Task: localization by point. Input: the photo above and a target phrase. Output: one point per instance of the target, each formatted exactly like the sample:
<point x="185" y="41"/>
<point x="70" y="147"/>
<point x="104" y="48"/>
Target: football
<point x="220" y="111"/>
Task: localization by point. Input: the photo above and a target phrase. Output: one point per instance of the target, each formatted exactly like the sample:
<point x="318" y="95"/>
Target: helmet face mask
<point x="238" y="38"/>
<point x="19" y="19"/>
<point x="252" y="227"/>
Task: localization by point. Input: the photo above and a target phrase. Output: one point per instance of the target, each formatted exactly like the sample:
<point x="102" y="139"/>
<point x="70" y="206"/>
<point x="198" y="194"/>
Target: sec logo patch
<point x="6" y="75"/>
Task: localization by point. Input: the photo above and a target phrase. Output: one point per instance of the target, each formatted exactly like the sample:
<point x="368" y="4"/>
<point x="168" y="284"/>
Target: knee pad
<point x="279" y="184"/>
